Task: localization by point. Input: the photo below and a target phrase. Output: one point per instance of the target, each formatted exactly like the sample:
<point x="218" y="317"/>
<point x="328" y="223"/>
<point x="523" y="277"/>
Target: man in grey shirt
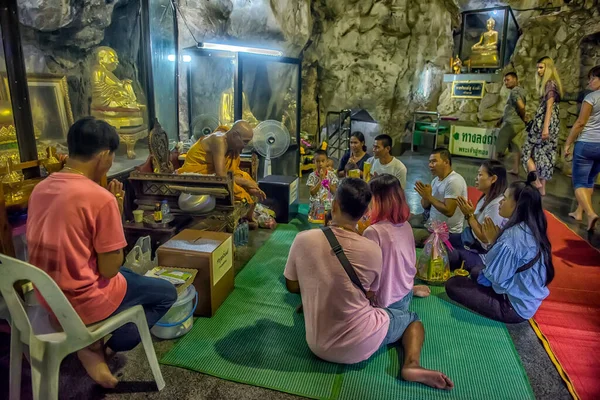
<point x="513" y="120"/>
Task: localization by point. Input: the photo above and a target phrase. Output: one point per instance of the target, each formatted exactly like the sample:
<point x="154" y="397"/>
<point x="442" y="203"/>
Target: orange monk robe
<point x="196" y="161"/>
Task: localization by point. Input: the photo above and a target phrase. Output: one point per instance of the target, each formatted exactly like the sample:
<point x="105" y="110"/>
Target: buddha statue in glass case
<point x="226" y="109"/>
<point x="115" y="101"/>
<point x="485" y="52"/>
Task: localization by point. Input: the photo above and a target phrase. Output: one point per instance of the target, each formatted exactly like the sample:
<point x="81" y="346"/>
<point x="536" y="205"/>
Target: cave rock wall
<point x="569" y="35"/>
<point x="373" y="54"/>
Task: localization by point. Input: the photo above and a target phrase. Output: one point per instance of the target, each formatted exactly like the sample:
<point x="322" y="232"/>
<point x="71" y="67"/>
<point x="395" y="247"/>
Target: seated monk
<point x="219" y="153"/>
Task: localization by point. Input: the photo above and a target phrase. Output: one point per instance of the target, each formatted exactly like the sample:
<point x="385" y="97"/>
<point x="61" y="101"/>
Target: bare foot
<point x="92" y="359"/>
<point x="421" y="290"/>
<point x="576" y="215"/>
<point x="428" y="377"/>
<point x="109" y="353"/>
<point x="592" y="222"/>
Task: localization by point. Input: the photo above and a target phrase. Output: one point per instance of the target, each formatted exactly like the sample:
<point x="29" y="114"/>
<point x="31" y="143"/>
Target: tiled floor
<point x="136" y="379"/>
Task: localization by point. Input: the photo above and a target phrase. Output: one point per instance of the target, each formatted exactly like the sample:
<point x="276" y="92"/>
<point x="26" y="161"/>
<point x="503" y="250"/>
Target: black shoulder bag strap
<point x="339" y="252"/>
<point x="530" y="263"/>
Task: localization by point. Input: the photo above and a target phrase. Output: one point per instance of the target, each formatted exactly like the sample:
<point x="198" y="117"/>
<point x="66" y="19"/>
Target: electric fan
<point x="271" y="140"/>
<point x="204" y="124"/>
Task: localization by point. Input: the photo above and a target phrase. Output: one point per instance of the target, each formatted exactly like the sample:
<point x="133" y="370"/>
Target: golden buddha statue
<point x="108" y="90"/>
<point x="226" y="109"/>
<point x="115" y="101"/>
<point x="485" y="52"/>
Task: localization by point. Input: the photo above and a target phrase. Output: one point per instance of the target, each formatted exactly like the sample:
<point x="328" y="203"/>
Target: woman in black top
<point x="356" y="156"/>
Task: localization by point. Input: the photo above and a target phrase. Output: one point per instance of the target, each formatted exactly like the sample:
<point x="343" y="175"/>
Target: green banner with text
<point x="471" y="141"/>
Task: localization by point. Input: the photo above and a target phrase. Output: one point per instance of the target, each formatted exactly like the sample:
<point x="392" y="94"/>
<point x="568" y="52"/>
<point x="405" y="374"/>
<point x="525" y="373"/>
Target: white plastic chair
<point x="47" y="350"/>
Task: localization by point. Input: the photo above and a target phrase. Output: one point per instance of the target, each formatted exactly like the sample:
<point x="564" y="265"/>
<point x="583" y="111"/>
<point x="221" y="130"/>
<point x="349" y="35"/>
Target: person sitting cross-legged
<point x="440" y="199"/>
<point x="75" y="234"/>
<point x="511" y="282"/>
<point x="341" y="324"/>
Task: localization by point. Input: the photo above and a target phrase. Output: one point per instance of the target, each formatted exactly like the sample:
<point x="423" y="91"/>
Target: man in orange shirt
<point x="75" y="234"/>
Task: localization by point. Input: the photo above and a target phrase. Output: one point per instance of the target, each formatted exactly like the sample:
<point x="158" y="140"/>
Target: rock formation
<point x="387" y="56"/>
<point x="372" y="55"/>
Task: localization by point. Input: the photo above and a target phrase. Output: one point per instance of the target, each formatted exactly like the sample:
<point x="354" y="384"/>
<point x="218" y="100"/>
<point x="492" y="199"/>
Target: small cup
<point x="138" y="216"/>
<point x="354" y="173"/>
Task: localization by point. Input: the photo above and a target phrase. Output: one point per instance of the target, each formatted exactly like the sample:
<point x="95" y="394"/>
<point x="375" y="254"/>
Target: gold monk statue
<point x="219" y="153"/>
<point x="108" y="90"/>
<point x="485" y="52"/>
<point x="226" y="109"/>
<point x="114" y="100"/>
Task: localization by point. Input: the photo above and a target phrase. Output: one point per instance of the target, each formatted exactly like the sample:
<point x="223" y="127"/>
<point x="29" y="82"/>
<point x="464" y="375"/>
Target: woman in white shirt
<point x="492" y="182"/>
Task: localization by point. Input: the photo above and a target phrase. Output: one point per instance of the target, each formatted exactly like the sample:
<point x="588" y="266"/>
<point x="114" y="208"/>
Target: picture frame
<point x="50" y="105"/>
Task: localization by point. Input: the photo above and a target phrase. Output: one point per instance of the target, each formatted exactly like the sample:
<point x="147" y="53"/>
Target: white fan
<point x="204" y="124"/>
<point x="271" y="140"/>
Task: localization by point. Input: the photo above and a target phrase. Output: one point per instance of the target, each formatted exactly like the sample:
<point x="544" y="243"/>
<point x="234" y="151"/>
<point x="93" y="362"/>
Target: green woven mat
<point x="257" y="338"/>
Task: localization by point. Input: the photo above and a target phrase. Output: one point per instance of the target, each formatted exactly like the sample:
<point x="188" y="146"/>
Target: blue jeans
<point x="155" y="295"/>
<point x="400" y="319"/>
<point x="586" y="164"/>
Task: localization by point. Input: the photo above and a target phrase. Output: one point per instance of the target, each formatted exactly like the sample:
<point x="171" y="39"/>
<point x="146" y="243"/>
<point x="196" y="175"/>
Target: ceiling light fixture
<point x="240" y="49"/>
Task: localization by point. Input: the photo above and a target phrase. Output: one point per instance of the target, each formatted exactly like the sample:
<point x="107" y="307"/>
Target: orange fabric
<point x="197" y="162"/>
<point x="569" y="319"/>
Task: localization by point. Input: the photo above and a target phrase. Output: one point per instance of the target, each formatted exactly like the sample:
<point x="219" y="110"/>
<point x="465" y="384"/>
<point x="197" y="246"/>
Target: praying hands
<point x="490" y="230"/>
<point x="424" y="190"/>
<point x="466" y="206"/>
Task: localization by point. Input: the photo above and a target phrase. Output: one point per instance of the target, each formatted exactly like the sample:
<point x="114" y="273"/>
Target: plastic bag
<point x="139" y="259"/>
<point x="265" y="217"/>
<point x="433" y="265"/>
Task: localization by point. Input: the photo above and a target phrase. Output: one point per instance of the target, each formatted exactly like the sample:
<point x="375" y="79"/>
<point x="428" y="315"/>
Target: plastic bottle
<point x="165" y="209"/>
<point x="245" y="233"/>
<point x="236" y="236"/>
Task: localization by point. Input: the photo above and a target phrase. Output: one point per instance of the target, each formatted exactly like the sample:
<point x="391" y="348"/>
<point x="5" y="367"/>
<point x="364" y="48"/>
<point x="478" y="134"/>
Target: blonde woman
<point x="539" y="150"/>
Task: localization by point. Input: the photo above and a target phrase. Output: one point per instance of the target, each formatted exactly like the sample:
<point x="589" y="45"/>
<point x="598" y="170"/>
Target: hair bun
<point x="531" y="177"/>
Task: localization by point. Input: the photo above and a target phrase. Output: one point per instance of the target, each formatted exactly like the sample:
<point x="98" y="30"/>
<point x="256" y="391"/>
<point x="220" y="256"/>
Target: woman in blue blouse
<point x="511" y="283"/>
<point x="356" y="156"/>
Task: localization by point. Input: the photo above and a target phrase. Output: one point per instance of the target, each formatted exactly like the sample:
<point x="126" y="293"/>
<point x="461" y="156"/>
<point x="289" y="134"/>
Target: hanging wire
<point x="175" y="5"/>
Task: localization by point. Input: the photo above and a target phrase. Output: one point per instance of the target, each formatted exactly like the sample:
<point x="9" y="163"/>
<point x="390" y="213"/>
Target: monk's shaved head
<point x="239" y="136"/>
<point x="244" y="129"/>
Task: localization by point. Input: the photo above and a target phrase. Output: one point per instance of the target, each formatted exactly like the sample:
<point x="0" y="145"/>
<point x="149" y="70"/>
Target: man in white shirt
<point x="440" y="197"/>
<point x="383" y="162"/>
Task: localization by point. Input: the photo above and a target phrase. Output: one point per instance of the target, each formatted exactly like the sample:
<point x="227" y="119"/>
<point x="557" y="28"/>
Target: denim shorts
<point x="586" y="164"/>
<point x="400" y="319"/>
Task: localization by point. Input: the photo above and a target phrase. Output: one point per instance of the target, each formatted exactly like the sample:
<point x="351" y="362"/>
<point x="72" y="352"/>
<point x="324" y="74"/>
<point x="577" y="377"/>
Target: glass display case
<point x="163" y="40"/>
<point x="488" y="38"/>
<point x="225" y="86"/>
<point x="100" y="68"/>
<point x="9" y="148"/>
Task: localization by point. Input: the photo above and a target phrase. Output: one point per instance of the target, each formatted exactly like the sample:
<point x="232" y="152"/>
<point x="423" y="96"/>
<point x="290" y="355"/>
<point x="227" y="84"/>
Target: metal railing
<point x="338" y="127"/>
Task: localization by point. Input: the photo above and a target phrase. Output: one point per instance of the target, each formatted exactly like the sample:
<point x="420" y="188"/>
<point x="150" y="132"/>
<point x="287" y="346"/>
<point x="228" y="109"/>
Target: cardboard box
<point x="211" y="253"/>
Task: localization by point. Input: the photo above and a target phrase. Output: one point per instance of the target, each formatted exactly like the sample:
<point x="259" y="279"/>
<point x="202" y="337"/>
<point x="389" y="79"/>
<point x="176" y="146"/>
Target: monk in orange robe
<point x="219" y="153"/>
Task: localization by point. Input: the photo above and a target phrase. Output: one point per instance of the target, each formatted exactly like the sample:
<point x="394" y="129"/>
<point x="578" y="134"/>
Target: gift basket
<point x="320" y="206"/>
<point x="433" y="265"/>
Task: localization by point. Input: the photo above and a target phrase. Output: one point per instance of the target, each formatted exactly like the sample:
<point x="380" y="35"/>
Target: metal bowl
<point x="196" y="203"/>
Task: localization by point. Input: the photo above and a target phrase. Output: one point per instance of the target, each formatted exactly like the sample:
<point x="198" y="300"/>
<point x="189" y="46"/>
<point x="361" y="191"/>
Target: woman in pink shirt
<point x="389" y="228"/>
